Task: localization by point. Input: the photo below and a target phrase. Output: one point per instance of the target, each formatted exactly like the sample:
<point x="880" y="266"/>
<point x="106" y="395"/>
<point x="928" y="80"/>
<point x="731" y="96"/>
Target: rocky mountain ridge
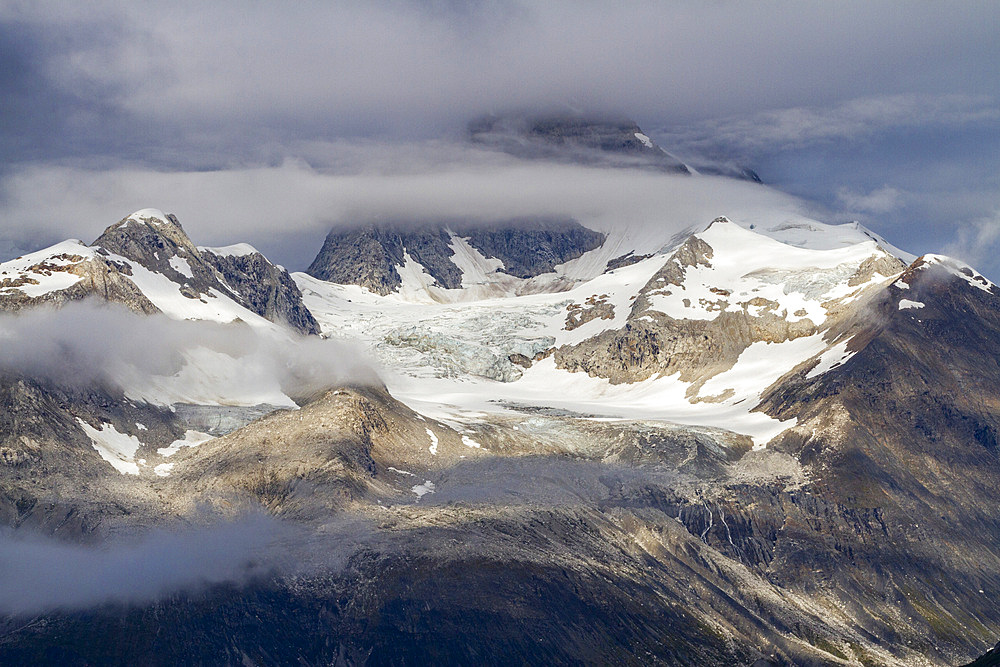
<point x="373" y="256"/>
<point x="147" y="263"/>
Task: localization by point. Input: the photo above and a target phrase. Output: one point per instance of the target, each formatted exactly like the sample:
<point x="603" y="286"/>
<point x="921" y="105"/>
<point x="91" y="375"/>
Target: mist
<point x="40" y="573"/>
<point x="155" y="358"/>
<point x="285" y="211"/>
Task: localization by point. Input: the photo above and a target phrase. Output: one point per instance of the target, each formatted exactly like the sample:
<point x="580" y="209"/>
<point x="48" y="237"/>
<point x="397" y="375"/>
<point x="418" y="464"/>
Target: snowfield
<point x="449" y="356"/>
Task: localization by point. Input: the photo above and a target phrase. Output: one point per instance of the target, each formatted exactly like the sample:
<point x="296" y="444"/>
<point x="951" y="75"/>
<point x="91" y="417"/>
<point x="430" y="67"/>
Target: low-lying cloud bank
<point x="40" y="574"/>
<point x="156" y="358"/>
<point x="286" y="210"/>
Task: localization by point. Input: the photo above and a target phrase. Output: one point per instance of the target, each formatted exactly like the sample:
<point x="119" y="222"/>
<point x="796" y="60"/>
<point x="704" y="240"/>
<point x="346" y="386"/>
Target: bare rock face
<point x="53" y="478"/>
<point x="371" y="255"/>
<point x="156" y="243"/>
<point x="264" y="288"/>
<point x="153" y="241"/>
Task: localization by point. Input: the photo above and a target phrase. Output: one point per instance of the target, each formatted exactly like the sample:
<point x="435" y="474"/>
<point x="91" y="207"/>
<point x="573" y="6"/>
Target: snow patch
<point x="469" y="442"/>
<point x="423" y="489"/>
<point x="761" y="365"/>
<point x="904" y="304"/>
<point x="163" y="470"/>
<point x="434" y="442"/>
<point x="475" y="267"/>
<point x="235" y="250"/>
<point x="191" y="439"/>
<point x="181" y="266"/>
<point x="153" y="215"/>
<point x="833" y="357"/>
<point x="166" y="295"/>
<point x="116" y="448"/>
<point x="646" y="141"/>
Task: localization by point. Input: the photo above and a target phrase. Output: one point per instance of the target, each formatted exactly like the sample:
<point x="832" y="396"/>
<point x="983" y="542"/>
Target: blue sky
<point x="877" y="111"/>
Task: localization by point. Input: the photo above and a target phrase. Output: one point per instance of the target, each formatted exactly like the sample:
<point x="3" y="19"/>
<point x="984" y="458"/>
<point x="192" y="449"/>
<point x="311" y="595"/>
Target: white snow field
<point x="445" y="352"/>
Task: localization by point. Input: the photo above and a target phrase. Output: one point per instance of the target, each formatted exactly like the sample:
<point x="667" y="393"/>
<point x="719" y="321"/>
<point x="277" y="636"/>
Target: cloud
<point x="881" y="200"/>
<point x="164" y="360"/>
<point x="39" y="574"/>
<point x="977" y="242"/>
<point x="223" y="72"/>
<point x="795" y="127"/>
<point x="269" y="205"/>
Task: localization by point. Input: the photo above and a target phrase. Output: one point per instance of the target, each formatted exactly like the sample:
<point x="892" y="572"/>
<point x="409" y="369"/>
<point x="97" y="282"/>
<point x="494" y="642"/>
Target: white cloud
<point x="795" y="127"/>
<point x="977" y="242"/>
<point x="265" y="205"/>
<point x="881" y="200"/>
<point x="379" y="65"/>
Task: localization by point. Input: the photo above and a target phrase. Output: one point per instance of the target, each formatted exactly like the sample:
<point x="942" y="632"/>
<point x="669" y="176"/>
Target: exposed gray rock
<point x="369" y="255"/>
<point x="628" y="259"/>
<point x="247" y="278"/>
<point x="264" y="288"/>
<point x="529" y="248"/>
<point x="160" y="245"/>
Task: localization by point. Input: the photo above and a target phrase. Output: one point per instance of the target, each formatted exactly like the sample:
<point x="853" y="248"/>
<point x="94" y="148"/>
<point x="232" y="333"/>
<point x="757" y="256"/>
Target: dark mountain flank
<point x="370" y="255"/>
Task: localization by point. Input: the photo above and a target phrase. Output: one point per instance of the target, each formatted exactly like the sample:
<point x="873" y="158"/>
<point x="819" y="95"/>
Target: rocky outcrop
<point x="98" y="276"/>
<point x="264" y="288"/>
<point x="159" y="243"/>
<point x="136" y="254"/>
<point x="595" y="306"/>
<point x="371" y="255"/>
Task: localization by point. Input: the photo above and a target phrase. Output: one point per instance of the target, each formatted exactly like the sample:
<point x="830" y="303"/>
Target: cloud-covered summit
<point x="817" y="98"/>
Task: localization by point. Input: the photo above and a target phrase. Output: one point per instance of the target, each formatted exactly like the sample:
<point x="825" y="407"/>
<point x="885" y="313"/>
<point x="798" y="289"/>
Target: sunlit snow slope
<point x="787" y="282"/>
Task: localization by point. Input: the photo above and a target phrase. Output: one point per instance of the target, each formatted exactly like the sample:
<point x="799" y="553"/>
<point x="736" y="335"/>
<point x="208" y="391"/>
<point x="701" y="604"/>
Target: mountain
<point x="390" y="258"/>
<point x="147" y="262"/>
<point x="743" y="439"/>
<point x="582" y="139"/>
